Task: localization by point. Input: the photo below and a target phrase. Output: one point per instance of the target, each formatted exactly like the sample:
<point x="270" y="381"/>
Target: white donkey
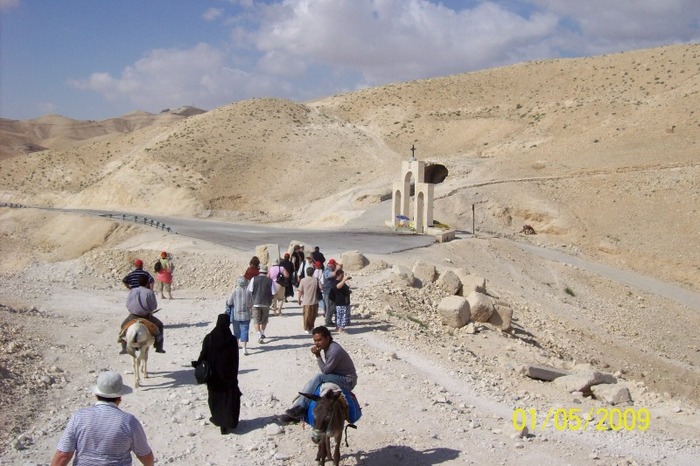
<point x="139" y="338"/>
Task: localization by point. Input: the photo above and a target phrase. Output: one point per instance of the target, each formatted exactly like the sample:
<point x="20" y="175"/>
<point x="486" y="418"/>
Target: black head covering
<point x="222" y="348"/>
<point x="221" y="336"/>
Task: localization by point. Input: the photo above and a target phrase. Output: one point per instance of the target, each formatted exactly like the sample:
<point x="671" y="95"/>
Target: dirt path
<point x="419" y="407"/>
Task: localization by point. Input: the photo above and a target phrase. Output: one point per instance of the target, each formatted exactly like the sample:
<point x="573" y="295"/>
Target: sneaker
<point x="285" y="418"/>
<point x="245" y="352"/>
<point x="297" y="412"/>
<point x="160" y="350"/>
<point x="261" y="340"/>
<point x="123" y="351"/>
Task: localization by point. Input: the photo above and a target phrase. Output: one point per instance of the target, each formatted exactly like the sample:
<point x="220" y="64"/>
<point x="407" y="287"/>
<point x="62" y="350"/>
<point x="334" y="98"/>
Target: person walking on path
<point x="132" y="279"/>
<point x="253" y="268"/>
<point x="262" y="289"/>
<point x="318" y="256"/>
<point x="288" y="266"/>
<point x="340" y="295"/>
<point x="241" y="302"/>
<point x="165" y="275"/>
<point x="329" y="283"/>
<point x="308" y="298"/>
<point x="335" y="365"/>
<point x="298" y="261"/>
<point x="220" y="349"/>
<point x="103" y="433"/>
<point x="278" y="299"/>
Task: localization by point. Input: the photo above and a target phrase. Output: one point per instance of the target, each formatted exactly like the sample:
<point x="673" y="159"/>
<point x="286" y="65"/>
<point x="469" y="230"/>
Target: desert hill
<point x="60" y="133"/>
<point x="597" y="154"/>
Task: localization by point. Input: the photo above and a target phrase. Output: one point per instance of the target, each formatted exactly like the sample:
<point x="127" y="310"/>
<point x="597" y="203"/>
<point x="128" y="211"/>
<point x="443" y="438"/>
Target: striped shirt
<point x="103" y="435"/>
<point x="133" y="278"/>
<point x="241" y="301"/>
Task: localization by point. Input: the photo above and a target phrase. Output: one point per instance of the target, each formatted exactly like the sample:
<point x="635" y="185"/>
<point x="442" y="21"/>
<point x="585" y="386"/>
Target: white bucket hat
<point x="110" y="385"/>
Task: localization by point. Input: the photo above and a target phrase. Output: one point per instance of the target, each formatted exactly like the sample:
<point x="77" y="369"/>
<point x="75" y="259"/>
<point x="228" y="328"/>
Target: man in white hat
<point x="103" y="433"/>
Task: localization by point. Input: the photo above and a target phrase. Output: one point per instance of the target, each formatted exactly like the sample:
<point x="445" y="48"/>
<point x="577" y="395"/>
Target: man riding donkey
<point x="336" y="367"/>
<point x="141" y="304"/>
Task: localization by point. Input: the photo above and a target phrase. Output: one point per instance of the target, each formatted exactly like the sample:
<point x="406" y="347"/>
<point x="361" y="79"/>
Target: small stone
<point x="273" y="429"/>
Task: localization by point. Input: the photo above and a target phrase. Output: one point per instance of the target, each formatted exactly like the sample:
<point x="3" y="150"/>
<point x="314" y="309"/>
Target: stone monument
<point x="421" y="214"/>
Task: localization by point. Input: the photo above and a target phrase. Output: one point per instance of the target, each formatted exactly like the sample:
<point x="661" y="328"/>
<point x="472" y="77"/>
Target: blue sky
<point x="90" y="59"/>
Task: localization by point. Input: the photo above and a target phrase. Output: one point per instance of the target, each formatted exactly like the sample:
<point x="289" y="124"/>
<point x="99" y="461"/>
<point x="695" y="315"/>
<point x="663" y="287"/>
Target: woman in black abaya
<point x="220" y="348"/>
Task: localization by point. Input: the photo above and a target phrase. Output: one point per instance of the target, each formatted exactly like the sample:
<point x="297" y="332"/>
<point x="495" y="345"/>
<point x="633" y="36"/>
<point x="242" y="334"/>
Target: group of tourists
<point x="104" y="434"/>
<point x="258" y="291"/>
<point x="268" y="289"/>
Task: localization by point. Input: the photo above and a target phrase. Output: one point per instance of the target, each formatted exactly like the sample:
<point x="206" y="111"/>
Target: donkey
<point x="139" y="338"/>
<point x="329" y="420"/>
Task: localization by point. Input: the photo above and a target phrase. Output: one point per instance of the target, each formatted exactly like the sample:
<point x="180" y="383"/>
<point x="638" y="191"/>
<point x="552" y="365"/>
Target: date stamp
<point x="574" y="419"/>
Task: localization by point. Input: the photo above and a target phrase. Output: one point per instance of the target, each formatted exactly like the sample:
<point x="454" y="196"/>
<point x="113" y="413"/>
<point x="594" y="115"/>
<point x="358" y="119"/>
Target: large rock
<point x="448" y="281"/>
<point x="615" y="394"/>
<point x="471" y="283"/>
<point x="294" y="242"/>
<point x="424" y="272"/>
<point x="502" y="317"/>
<point x="481" y="306"/>
<point x="583" y="378"/>
<point x="267" y="253"/>
<point x="546" y="373"/>
<point x="454" y="311"/>
<point x="353" y="261"/>
<point x="401" y="275"/>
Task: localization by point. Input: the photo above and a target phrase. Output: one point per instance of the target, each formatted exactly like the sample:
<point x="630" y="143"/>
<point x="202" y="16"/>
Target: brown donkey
<point x="330" y="414"/>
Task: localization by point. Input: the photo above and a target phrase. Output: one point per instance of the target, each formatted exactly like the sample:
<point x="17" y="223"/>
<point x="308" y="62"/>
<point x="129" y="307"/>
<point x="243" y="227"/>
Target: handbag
<point x="282" y="279"/>
<point x="202" y="371"/>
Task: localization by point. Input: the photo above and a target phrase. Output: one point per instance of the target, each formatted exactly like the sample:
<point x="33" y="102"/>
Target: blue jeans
<point x="346" y="383"/>
<point x="241" y="329"/>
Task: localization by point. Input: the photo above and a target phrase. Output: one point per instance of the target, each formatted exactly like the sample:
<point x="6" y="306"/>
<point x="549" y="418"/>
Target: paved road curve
<point x="245" y="237"/>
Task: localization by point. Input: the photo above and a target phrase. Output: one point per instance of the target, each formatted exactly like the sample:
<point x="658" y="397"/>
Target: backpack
<point x="158" y="266"/>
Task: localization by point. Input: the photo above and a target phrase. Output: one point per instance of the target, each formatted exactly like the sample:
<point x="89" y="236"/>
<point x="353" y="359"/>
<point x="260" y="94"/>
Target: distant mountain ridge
<point x="59" y="132"/>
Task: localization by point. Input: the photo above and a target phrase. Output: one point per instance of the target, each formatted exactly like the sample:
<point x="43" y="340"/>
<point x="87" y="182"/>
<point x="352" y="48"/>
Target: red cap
<point x="286" y="255"/>
<point x="138" y="263"/>
<point x="332" y="262"/>
<point x="163" y="254"/>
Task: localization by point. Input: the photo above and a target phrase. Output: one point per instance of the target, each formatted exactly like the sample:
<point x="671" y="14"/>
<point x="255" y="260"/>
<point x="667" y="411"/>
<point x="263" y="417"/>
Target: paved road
<point x="381" y="241"/>
<point x="245" y="237"/>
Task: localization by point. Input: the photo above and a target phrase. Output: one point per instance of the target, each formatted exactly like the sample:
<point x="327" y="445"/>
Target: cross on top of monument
<point x="413" y="152"/>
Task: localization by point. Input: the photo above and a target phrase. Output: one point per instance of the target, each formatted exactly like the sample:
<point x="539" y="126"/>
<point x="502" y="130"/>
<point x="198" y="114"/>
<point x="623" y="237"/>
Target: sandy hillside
<point x="599" y="155"/>
<point x="430" y="394"/>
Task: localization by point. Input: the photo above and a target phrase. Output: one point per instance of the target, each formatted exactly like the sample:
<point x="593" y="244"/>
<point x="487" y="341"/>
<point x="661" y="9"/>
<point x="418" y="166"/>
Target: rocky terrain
<point x="600" y="158"/>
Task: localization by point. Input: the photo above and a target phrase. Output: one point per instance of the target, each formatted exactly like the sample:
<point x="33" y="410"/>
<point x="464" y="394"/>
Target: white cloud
<point x="397" y="39"/>
<point x="600" y="26"/>
<point x="212" y="13"/>
<point x="171" y="77"/>
<point x="302" y="49"/>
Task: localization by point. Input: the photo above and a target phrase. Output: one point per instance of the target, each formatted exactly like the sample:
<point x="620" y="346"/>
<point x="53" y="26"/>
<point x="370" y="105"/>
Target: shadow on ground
<point x="402" y="455"/>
